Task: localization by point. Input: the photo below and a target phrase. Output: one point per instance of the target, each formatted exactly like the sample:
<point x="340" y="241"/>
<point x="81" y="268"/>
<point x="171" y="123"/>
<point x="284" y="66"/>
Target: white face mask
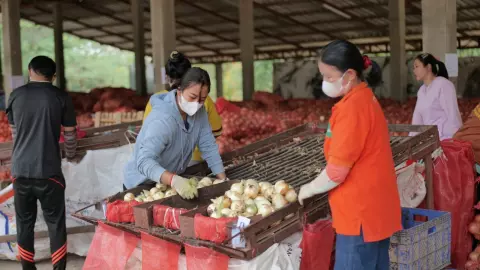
<point x="189" y="108"/>
<point x="335" y="89"/>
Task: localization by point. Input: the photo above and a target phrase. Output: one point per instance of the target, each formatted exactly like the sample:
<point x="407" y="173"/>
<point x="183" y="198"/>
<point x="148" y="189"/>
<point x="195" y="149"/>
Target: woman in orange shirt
<point x="360" y="173"/>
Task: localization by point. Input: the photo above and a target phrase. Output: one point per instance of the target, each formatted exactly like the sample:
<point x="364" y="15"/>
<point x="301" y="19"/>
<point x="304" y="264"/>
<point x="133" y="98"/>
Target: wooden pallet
<point x="106" y="119"/>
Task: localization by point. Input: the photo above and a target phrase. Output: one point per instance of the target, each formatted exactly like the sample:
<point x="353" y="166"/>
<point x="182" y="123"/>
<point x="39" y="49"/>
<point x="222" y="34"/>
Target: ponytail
<point x="372" y="72"/>
<point x="438" y="67"/>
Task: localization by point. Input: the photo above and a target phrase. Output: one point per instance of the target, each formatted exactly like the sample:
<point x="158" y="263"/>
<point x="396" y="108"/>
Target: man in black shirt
<point x="36" y="112"/>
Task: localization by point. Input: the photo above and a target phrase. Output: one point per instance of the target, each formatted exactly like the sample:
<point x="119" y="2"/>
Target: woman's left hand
<point x="222" y="176"/>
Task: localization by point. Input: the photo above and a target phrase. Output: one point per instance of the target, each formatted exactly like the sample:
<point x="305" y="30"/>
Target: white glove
<point x="321" y="184"/>
<point x="185" y="188"/>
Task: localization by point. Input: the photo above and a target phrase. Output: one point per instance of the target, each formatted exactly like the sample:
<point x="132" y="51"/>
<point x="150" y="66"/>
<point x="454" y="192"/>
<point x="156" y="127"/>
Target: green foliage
<point x="89" y="64"/>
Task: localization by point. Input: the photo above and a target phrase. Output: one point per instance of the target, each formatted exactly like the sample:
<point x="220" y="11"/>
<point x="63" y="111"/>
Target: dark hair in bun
<point x="176" y="67"/>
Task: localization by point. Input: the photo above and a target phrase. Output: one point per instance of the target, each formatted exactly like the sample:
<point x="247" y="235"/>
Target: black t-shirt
<point x="38" y="110"/>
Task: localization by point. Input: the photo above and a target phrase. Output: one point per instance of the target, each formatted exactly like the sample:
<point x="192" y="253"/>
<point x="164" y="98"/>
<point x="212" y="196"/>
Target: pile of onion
<point x="249" y="198"/>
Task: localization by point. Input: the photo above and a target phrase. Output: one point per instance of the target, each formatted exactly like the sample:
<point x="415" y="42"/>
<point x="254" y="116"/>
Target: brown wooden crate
<point x="144" y="212"/>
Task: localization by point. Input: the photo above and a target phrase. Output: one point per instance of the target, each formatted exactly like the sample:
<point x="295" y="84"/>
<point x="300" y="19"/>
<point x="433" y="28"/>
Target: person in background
<point x="177" y="123"/>
<point x="360" y="173"/>
<point x="177" y="65"/>
<point x="36" y="112"/>
<point x="436" y="99"/>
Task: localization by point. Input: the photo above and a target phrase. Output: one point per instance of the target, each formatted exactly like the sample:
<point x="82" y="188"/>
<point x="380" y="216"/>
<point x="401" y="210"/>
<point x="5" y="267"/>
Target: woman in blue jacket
<point x="178" y="122"/>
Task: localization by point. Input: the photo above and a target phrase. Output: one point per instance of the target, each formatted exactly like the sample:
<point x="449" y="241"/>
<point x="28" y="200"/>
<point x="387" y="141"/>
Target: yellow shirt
<point x="213" y="117"/>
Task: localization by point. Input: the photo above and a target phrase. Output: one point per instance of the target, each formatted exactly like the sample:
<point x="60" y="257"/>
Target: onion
<point x="281" y="187"/>
<point x="291" y="196"/>
<point x="264" y="186"/>
<point x="200" y="185"/>
<point x="238" y="206"/>
<point x="206" y="181"/>
<point x="129" y="197"/>
<point x="218" y="181"/>
<point x="252" y="182"/>
<point x="269" y="192"/>
<point x="139" y="199"/>
<point x="146" y="193"/>
<point x="215" y="214"/>
<point x="154" y="190"/>
<point x="211" y="208"/>
<point x="149" y="199"/>
<point x="251" y="209"/>
<point x="474" y="256"/>
<point x="279" y="201"/>
<point x="170" y="193"/>
<point x="226" y="212"/>
<point x="226" y="202"/>
<point x="238" y="188"/>
<point x="251" y="191"/>
<point x="260" y="198"/>
<point x="249" y="201"/>
<point x="265" y="210"/>
<point x="158" y="196"/>
<point x="161" y="187"/>
<point x="474" y="228"/>
<point x="233" y="195"/>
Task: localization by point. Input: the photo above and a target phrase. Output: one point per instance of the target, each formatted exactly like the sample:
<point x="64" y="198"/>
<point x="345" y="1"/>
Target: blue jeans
<point x="353" y="253"/>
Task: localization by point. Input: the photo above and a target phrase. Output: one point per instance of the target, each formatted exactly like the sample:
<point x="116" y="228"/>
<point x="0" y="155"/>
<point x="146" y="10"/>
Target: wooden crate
<point x="106" y="118"/>
<point x="144" y="212"/>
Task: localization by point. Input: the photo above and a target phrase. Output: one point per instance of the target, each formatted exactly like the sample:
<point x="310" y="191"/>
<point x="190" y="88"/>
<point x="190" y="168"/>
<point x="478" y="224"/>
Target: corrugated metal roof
<point x="207" y="30"/>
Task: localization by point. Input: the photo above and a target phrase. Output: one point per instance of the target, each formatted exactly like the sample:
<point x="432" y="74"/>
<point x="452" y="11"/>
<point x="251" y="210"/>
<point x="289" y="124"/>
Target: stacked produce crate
<point x="295" y="156"/>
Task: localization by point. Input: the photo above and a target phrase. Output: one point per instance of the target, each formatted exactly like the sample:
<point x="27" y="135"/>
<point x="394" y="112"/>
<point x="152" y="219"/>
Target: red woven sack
<point x="158" y="254"/>
<point x="317" y="245"/>
<point x="121" y="211"/>
<point x="212" y="229"/>
<point x="167" y="217"/>
<point x="202" y="258"/>
<point x="110" y="249"/>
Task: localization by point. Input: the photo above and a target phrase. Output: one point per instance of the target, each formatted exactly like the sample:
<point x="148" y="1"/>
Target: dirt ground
<point x="73" y="263"/>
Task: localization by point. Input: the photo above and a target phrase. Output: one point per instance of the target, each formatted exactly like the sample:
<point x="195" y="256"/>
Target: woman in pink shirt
<point x="436" y="99"/>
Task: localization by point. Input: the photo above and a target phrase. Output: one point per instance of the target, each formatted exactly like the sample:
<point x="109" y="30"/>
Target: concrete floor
<point x="73" y="263"/>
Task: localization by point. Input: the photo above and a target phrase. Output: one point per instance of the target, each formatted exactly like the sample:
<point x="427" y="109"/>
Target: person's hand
<point x="185" y="188"/>
<point x="306" y="191"/>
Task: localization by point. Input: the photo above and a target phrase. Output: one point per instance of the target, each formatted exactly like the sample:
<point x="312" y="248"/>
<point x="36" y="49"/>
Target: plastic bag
<point x="167" y="217"/>
<point x="158" y="254"/>
<point x="212" y="229"/>
<point x="121" y="211"/>
<point x="110" y="249"/>
<point x="317" y="245"/>
<point x="454" y="192"/>
<point x="411" y="184"/>
<point x="202" y="258"/>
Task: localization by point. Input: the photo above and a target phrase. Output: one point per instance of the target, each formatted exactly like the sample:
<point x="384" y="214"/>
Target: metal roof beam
<point x="237" y="22"/>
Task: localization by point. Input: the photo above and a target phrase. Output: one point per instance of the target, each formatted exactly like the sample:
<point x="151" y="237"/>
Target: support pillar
<point x="139" y="47"/>
<point x="398" y="67"/>
<point x="219" y="76"/>
<point x="162" y="14"/>
<point x="247" y="47"/>
<point x="439" y="29"/>
<point x="12" y="52"/>
<point x="58" y="39"/>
